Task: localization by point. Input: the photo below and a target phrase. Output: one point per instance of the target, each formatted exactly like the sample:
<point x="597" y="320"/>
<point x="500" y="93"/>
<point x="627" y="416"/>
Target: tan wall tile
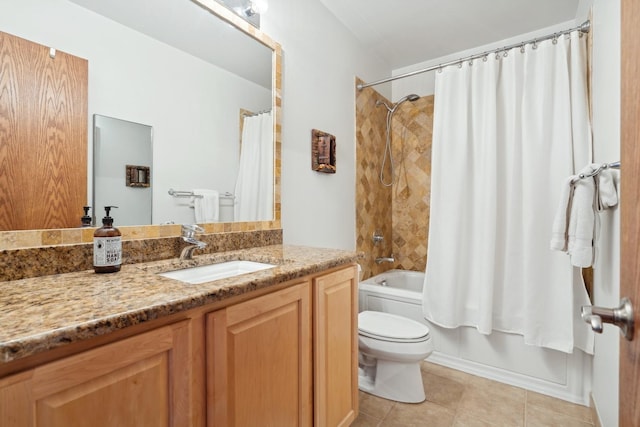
<point x="401" y="212"/>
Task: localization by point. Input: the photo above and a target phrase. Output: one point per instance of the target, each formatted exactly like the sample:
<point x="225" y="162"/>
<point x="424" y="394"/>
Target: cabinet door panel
<point x="259" y="361"/>
<point x="139" y="392"/>
<point x="139" y="381"/>
<point x="335" y="348"/>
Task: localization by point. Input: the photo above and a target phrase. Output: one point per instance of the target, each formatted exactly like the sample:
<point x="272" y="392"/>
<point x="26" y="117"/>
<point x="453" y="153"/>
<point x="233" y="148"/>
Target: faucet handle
<point x="190" y="230"/>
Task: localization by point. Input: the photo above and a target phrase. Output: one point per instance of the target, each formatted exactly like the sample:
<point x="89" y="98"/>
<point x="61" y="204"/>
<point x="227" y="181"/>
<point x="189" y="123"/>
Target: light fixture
<point x="256" y="7"/>
<point x="249" y="10"/>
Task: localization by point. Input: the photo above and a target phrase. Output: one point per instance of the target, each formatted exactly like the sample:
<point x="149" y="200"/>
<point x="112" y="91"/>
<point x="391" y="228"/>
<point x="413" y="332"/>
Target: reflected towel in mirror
<point x="206" y="207"/>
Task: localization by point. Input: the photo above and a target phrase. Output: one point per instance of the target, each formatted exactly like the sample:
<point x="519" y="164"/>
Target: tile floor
<point x="458" y="399"/>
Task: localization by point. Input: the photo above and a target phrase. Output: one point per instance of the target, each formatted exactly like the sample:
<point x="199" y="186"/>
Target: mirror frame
<point x="20" y="239"/>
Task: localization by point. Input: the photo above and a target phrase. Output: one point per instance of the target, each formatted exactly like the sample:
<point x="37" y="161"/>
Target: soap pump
<point x="107" y="246"/>
<point x="86" y="219"/>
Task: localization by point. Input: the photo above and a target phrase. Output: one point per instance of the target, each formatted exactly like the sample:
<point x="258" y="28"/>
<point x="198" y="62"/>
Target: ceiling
<point x="407" y="32"/>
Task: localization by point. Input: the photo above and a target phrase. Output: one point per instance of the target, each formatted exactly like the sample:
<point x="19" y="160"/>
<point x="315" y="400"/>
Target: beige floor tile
<point x="466" y="420"/>
<point x="486" y="404"/>
<point x="582" y="413"/>
<point x="538" y="417"/>
<point x="443" y="371"/>
<point x="418" y="414"/>
<point x="457" y="399"/>
<point x="441" y="390"/>
<point x="498" y="389"/>
<point x="365" y="420"/>
<point x="374" y="406"/>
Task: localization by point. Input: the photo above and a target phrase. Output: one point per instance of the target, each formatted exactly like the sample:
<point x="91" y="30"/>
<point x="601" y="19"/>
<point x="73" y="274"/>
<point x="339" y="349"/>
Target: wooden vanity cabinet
<point x="335" y="348"/>
<point x="288" y="358"/>
<point x="285" y="358"/>
<point x="143" y="380"/>
<point x="259" y="361"/>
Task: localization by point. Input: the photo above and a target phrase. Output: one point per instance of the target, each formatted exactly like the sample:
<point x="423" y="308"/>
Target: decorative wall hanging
<point x="323" y="152"/>
<point x="138" y="176"/>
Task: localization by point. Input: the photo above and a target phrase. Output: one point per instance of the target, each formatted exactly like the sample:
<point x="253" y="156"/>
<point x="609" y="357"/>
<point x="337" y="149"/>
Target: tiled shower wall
<point x="401" y="212"/>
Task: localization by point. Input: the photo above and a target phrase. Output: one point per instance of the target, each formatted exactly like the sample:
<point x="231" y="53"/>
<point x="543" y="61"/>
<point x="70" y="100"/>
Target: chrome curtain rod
<point x="583" y="28"/>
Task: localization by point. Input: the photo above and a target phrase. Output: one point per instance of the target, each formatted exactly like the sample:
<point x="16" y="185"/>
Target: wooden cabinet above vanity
<point x="278" y="347"/>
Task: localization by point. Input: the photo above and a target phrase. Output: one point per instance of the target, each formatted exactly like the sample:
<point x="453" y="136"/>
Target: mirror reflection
<point x="189" y="86"/>
<point x="122" y="168"/>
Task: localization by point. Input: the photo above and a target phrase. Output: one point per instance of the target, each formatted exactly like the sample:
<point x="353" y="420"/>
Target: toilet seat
<point x="390" y="327"/>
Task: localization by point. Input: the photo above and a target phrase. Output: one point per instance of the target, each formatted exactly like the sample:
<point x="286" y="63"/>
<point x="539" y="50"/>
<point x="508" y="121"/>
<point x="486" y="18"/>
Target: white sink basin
<point x="208" y="273"/>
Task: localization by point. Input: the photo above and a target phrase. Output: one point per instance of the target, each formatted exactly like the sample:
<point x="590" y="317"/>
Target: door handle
<point x="622" y="317"/>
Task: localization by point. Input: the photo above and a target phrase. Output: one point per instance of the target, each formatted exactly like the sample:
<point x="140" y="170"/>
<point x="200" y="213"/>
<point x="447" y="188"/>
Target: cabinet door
<point x="335" y="344"/>
<point x="259" y="361"/>
<point x="139" y="381"/>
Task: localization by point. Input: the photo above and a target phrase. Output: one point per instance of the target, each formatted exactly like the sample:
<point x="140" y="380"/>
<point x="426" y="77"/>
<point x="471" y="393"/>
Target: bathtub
<point x="394" y="291"/>
<point x="499" y="356"/>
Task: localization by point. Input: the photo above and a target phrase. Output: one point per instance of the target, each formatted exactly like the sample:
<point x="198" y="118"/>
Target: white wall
<point x="606" y="139"/>
<point x="321" y="60"/>
<point x="188" y="102"/>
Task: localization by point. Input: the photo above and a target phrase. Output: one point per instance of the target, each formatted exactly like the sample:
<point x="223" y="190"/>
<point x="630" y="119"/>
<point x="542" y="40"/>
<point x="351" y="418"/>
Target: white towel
<point x="559" y="238"/>
<point x="575" y="223"/>
<point x="207" y="206"/>
<point x="581" y="228"/>
<point x="607" y="193"/>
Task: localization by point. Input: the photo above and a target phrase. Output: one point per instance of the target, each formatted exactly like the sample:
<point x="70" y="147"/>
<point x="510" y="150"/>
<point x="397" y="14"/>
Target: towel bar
<point x="179" y="193"/>
<point x="614" y="165"/>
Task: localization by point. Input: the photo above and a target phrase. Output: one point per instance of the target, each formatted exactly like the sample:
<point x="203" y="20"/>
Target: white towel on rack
<point x="206" y="207"/>
<point x="575" y="223"/>
<point x="581" y="228"/>
<point x="606" y="190"/>
<point x="559" y="238"/>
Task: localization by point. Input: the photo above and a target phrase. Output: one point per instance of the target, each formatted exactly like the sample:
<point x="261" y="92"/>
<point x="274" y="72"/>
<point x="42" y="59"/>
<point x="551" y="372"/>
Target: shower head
<point x="413" y="97"/>
<point x="387" y="149"/>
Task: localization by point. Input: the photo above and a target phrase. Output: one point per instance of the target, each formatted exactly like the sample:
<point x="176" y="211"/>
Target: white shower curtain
<point x="507" y="132"/>
<point x="254" y="186"/>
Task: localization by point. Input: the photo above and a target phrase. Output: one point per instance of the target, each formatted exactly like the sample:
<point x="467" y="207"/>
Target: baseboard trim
<point x="594" y="412"/>
<point x="537" y="385"/>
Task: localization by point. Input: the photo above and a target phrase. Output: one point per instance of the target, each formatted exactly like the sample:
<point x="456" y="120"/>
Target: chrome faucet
<point x="188" y="235"/>
<point x="385" y="259"/>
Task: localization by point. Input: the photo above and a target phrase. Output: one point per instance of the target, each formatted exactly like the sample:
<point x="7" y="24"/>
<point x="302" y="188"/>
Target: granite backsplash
<point x="58" y="259"/>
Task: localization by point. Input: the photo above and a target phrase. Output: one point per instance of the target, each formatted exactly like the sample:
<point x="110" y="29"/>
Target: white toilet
<point x="390" y="350"/>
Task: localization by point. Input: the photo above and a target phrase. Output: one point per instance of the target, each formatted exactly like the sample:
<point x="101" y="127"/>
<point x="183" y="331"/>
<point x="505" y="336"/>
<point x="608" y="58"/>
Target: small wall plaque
<point x="138" y="176"/>
<point x="323" y="152"/>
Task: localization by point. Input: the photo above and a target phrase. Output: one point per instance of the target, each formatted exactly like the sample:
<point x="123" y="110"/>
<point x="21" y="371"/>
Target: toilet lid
<point x="390" y="327"/>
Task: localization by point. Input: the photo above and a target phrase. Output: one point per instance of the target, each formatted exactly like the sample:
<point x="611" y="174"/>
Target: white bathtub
<point x="500" y="356"/>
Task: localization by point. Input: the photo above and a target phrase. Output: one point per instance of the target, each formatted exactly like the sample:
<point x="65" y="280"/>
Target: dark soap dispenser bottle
<point x="86" y="219"/>
<point x="107" y="246"/>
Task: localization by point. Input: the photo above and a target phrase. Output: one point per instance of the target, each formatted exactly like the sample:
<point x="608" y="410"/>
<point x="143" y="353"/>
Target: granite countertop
<point x="47" y="312"/>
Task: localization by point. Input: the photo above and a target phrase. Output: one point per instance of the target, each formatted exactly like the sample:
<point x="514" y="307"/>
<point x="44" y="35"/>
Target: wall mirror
<point x="145" y="67"/>
<point x="122" y="170"/>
